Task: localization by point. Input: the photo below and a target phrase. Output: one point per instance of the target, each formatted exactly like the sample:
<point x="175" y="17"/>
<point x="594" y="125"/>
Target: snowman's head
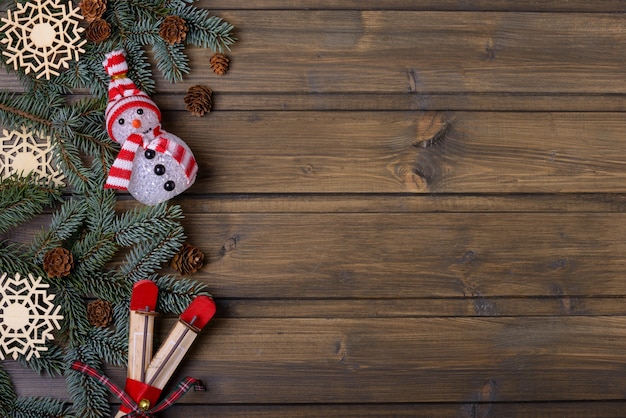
<point x="142" y="120"/>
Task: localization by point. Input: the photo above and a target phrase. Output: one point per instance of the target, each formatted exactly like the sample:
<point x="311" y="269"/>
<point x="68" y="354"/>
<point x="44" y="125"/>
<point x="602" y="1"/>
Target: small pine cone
<point x="173" y="29"/>
<point x="188" y="260"/>
<point x="92" y="9"/>
<point x="98" y="30"/>
<point x="198" y="100"/>
<point x="99" y="313"/>
<point x="219" y="64"/>
<point x="58" y="262"/>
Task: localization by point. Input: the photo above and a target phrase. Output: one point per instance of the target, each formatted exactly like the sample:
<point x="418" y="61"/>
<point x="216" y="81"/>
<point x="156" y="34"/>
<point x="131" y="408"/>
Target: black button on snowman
<point x="153" y="165"/>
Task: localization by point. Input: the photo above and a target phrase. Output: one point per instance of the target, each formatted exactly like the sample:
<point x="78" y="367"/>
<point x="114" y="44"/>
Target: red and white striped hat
<point x="123" y="93"/>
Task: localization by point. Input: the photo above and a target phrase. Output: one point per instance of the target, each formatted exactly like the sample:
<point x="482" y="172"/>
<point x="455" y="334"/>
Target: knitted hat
<point x="123" y="93"/>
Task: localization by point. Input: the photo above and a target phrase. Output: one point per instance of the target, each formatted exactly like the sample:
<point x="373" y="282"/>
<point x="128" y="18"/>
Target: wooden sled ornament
<point x="147" y="389"/>
<point x="142" y="312"/>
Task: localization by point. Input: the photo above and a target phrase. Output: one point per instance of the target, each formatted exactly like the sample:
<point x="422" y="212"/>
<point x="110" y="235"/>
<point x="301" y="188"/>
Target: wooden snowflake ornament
<point x="23" y="153"/>
<point x="27" y="316"/>
<point x="42" y="36"/>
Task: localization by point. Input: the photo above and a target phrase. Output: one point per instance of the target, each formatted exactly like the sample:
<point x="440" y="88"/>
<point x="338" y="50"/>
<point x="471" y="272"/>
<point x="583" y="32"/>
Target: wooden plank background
<point x="408" y="209"/>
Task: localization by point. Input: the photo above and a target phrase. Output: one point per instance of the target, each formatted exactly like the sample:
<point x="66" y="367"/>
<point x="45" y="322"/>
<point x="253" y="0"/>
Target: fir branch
<point x="89" y="398"/>
<point x="101" y="209"/>
<point x="7" y="394"/>
<point x="171" y="60"/>
<point x="138" y="224"/>
<point x="146" y="257"/>
<point x="175" y="294"/>
<point x="21" y="198"/>
<point x="68" y="158"/>
<point x="14" y="258"/>
<point x="121" y="316"/>
<point x="64" y="224"/>
<point x="139" y="66"/>
<point x="205" y="30"/>
<point x="146" y="10"/>
<point x="91" y="252"/>
<point x="6" y="110"/>
<point x="109" y="346"/>
<point x="74" y="326"/>
<point x="144" y="32"/>
<point x="109" y="286"/>
<point x="26" y="407"/>
<point x="50" y="361"/>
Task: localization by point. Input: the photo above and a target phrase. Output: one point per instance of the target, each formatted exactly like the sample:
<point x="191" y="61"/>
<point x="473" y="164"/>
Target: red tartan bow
<point x="129" y="402"/>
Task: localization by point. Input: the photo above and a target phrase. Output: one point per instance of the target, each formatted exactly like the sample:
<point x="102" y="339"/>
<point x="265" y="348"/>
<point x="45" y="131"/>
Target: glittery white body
<point x="154" y="174"/>
<point x="150" y="188"/>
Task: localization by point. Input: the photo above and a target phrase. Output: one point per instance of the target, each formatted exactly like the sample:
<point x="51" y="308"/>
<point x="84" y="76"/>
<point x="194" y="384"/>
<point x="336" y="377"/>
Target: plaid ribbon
<point x="129" y="402"/>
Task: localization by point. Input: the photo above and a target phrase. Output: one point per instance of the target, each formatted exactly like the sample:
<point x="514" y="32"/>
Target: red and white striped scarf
<point x="121" y="170"/>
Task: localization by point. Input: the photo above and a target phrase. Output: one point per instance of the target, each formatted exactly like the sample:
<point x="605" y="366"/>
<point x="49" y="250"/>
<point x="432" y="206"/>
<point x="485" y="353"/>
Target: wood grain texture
<point x="350" y="51"/>
<point x="427" y="5"/>
<point x="411" y="255"/>
<point x="406" y="152"/>
<point x="416" y="52"/>
<point x="408" y="209"/>
<point x="413" y="360"/>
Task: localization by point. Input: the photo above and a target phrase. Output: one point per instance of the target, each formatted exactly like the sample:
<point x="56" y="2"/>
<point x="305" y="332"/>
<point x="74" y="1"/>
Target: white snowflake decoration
<point x="23" y="153"/>
<point x="27" y="316"/>
<point x="42" y="36"/>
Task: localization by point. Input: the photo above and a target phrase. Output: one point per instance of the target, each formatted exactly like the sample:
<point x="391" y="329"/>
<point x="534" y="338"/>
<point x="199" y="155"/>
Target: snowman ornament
<point x="152" y="165"/>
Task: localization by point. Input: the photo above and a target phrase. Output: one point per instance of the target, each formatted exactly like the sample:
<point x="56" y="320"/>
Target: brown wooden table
<point x="409" y="209"/>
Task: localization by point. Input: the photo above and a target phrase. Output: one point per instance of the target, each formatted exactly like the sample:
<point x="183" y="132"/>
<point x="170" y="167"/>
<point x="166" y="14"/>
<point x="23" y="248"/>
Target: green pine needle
<point x="89" y="398"/>
<point x="49" y="361"/>
<point x="109" y="346"/>
<point x="26" y="407"/>
<point x="7" y="394"/>
<point x="175" y="293"/>
<point x="21" y="198"/>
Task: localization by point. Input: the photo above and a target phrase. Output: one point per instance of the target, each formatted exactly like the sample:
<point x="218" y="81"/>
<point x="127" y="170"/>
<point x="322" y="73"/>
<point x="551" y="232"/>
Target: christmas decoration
<point x="188" y="260"/>
<point x="86" y="221"/>
<point x="92" y="9"/>
<point x="27" y="316"/>
<point x="98" y="30"/>
<point x="42" y="36"/>
<point x="22" y="153"/>
<point x="219" y="64"/>
<point x="153" y="165"/>
<point x="198" y="100"/>
<point x="145" y="386"/>
<point x="99" y="313"/>
<point x="58" y="262"/>
<point x="173" y="29"/>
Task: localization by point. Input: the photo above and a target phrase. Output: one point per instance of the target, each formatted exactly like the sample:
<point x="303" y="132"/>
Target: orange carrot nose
<point x="136" y="123"/>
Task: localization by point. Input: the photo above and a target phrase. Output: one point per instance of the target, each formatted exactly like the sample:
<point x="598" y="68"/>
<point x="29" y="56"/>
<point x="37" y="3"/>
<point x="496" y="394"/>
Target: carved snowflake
<point x="27" y="316"/>
<point x="42" y="36"/>
<point x="23" y="153"/>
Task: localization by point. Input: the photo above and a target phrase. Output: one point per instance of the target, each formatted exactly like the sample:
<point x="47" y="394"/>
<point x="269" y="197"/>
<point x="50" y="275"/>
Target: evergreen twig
<point x="21" y="198"/>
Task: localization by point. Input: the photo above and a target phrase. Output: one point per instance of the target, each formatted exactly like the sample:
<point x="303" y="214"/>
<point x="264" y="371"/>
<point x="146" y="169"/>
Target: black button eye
<point x="159" y="169"/>
<point x="169" y="186"/>
<point x="149" y="154"/>
<point x="120" y="121"/>
<point x="140" y="111"/>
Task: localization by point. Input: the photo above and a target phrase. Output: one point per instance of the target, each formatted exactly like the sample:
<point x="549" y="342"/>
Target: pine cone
<point x="173" y="29"/>
<point x="198" y="100"/>
<point x="98" y="30"/>
<point x="58" y="262"/>
<point x="99" y="313"/>
<point x="188" y="260"/>
<point x="219" y="64"/>
<point x="92" y="9"/>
